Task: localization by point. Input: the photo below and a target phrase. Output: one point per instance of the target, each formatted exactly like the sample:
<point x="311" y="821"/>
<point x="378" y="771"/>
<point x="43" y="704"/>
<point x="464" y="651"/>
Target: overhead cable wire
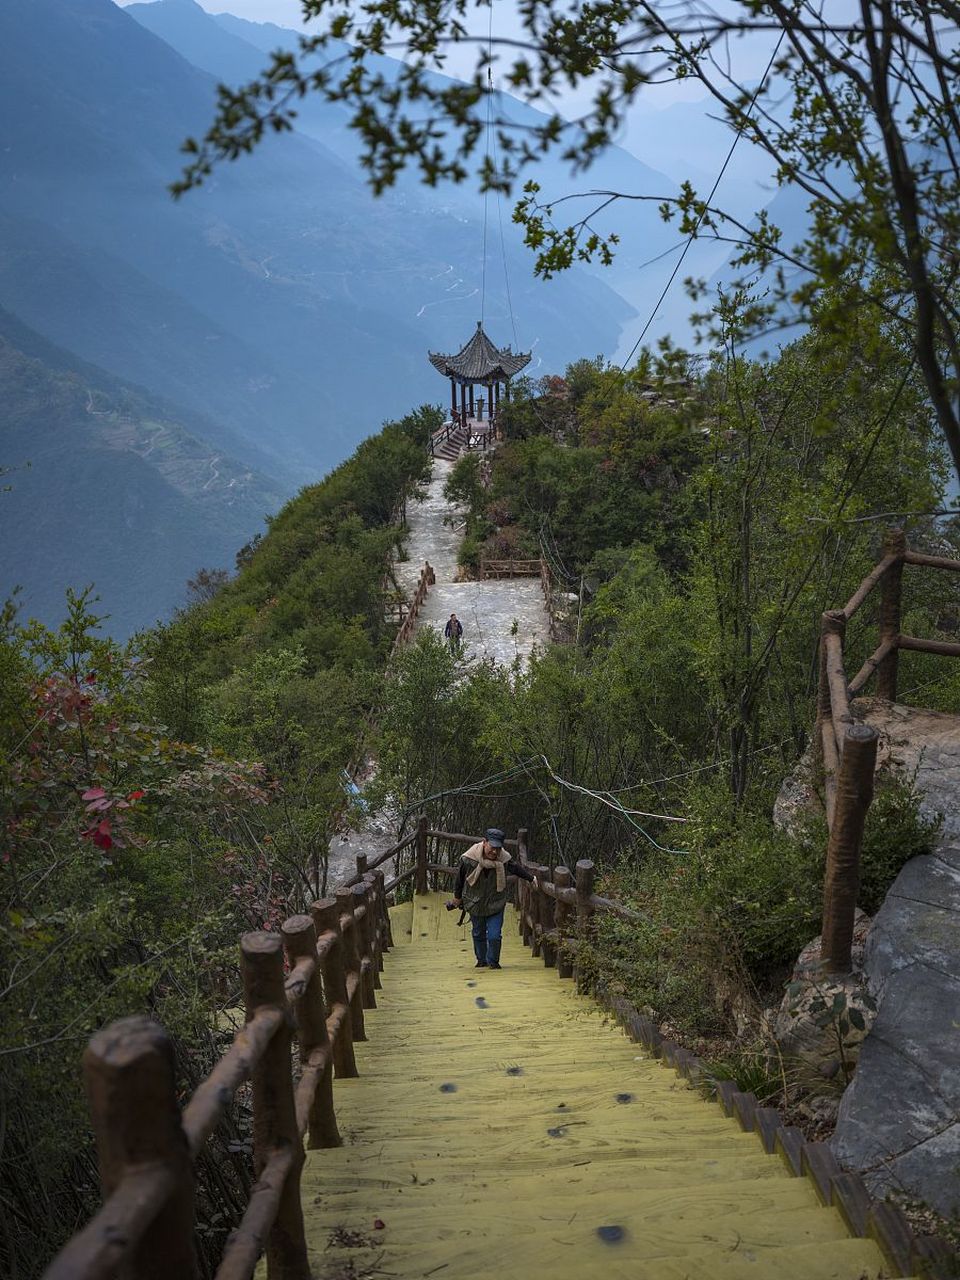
<point x="713" y="190"/>
<point x="503" y="256"/>
<point x="534" y="763"/>
<point x="486" y="192"/>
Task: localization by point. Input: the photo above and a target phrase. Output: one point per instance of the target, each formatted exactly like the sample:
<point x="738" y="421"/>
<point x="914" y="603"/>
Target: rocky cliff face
<point x="899" y="1121"/>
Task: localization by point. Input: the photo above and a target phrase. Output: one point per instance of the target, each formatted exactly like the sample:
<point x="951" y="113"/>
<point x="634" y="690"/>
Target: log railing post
<point x="548" y="946"/>
<point x="300" y="939"/>
<point x="361" y="927"/>
<point x="421" y="851"/>
<point x="832" y="705"/>
<point x="386" y="931"/>
<point x="351" y="961"/>
<point x="563" y="879"/>
<point x="823" y="694"/>
<point x="535" y="899"/>
<point x="274" y="1111"/>
<point x="128" y="1067"/>
<point x="373" y="927"/>
<point x="842" y="878"/>
<point x="585" y="873"/>
<point x="891" y="602"/>
<point x="326" y="918"/>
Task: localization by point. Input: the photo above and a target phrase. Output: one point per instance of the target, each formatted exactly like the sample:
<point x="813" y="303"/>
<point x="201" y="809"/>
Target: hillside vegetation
<point x="163" y="796"/>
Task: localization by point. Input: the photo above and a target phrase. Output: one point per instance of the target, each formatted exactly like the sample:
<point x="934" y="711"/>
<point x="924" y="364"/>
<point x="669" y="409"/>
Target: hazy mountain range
<point x="194" y="362"/>
<point x="279" y="314"/>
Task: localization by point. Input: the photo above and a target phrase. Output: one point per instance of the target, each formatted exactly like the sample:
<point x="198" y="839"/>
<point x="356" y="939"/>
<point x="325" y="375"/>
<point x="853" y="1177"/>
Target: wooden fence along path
<point x="478" y="1119"/>
<point x="847" y="750"/>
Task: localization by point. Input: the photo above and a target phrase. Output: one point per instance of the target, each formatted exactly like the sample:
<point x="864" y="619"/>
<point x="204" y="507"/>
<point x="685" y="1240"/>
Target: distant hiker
<point x="482" y="892"/>
<point x="454" y="632"/>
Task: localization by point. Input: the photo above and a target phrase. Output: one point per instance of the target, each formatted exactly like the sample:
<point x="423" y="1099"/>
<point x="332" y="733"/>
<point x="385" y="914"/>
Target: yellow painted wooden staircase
<point x="503" y="1125"/>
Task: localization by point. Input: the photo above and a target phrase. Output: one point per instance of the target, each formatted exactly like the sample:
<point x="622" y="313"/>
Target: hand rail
<point x="147" y="1146"/>
<point x="833" y="708"/>
<point x="427" y="579"/>
<point x="491" y="568"/>
<point x="847" y="749"/>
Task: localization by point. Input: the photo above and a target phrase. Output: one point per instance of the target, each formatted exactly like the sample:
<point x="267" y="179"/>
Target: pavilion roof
<point x="480" y="360"/>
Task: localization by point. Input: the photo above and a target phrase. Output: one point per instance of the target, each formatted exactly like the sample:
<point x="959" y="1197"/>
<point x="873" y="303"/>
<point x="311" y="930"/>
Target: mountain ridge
<point x="80" y="442"/>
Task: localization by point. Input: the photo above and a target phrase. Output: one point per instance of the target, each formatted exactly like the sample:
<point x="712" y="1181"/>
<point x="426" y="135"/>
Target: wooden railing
<point x="427" y="579"/>
<point x="511" y="568"/>
<point x="848" y="749"/>
<point x="481" y="439"/>
<point x="147" y="1147"/>
<point x="445" y="432"/>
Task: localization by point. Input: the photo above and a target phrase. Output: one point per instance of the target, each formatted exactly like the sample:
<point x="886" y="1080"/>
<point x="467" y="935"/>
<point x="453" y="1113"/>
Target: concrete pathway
<point x="429" y="538"/>
<point x="502" y="620"/>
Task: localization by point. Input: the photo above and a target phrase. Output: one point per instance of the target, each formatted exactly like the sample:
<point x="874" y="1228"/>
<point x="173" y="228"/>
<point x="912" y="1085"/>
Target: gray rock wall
<point x="899" y="1120"/>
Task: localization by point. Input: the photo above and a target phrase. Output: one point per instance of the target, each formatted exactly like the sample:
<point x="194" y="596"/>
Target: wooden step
<point x="501" y="1121"/>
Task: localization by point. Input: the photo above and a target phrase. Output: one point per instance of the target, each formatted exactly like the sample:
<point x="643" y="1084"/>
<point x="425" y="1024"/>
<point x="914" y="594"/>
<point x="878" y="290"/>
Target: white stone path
<point x="502" y="620"/>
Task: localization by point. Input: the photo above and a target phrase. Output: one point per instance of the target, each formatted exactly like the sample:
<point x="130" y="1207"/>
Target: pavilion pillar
<point x="471" y="401"/>
<point x="453" y="399"/>
<point x="506" y="391"/>
<point x="463" y="404"/>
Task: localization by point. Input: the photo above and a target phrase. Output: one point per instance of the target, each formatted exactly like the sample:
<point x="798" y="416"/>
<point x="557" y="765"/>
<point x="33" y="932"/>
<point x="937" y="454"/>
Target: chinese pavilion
<point x="479" y="364"/>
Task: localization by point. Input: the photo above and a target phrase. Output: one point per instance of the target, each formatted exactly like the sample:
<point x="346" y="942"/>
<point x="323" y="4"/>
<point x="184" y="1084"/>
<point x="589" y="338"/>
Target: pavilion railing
<point x="847" y="748"/>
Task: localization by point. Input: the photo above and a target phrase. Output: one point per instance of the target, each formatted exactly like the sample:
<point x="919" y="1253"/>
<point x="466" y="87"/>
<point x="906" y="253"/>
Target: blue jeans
<point x="487" y="933"/>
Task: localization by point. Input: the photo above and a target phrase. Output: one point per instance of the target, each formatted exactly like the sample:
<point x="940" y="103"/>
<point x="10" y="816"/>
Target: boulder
<point x="802" y="1027"/>
<point x="923" y="746"/>
<point x="899" y="1120"/>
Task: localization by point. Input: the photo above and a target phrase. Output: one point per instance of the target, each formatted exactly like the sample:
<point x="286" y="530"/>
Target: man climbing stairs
<point x="501" y="1123"/>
